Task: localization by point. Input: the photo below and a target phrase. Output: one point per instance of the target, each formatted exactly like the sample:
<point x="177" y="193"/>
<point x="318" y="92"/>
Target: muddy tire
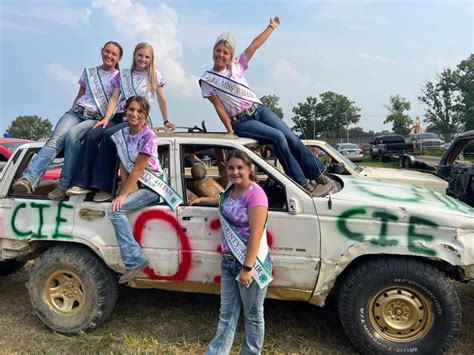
<point x="8" y="267"/>
<point x="71" y="289"/>
<point x="397" y="304"/>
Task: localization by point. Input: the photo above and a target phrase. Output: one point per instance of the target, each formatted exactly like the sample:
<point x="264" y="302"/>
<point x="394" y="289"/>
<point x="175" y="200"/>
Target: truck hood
<point x="404" y="200"/>
<point x="407" y="177"/>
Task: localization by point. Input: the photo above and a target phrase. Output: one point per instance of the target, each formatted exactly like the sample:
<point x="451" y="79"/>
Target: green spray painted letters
<point x="38" y="234"/>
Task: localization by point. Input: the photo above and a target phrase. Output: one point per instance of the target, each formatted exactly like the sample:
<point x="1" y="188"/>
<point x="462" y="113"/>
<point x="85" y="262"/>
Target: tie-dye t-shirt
<point x="141" y="84"/>
<point x="106" y="78"/>
<point x="236" y="211"/>
<point x="233" y="104"/>
<point x="144" y="142"/>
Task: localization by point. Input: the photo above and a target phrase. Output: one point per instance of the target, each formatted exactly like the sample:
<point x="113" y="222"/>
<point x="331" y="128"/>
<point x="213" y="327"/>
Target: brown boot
<point x="22" y="187"/>
<point x="57" y="195"/>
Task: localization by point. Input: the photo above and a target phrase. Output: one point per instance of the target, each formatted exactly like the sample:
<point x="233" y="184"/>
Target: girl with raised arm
<point x="242" y="113"/>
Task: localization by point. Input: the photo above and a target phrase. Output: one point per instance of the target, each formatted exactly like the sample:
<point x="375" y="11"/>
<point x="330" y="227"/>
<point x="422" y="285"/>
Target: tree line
<point x="448" y="101"/>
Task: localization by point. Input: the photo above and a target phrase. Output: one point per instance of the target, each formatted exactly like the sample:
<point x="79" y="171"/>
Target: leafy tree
<point x="332" y="115"/>
<point x="465" y="83"/>
<point x="443" y="104"/>
<point x="271" y="101"/>
<point x="30" y="127"/>
<point x="401" y="121"/>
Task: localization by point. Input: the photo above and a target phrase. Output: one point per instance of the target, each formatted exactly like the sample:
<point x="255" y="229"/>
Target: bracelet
<point x="247" y="268"/>
<point x="166" y="122"/>
<point x="272" y="26"/>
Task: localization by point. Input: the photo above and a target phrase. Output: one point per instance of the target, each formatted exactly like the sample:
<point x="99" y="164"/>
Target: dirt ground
<point x="171" y="322"/>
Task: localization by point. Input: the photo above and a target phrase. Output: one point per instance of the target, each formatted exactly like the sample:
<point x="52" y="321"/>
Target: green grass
<point x="154" y="321"/>
<point x="368" y="161"/>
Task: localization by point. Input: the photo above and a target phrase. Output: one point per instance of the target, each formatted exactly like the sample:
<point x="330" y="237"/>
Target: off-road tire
<point x="10" y="266"/>
<point x="398" y="304"/>
<point x="71" y="289"/>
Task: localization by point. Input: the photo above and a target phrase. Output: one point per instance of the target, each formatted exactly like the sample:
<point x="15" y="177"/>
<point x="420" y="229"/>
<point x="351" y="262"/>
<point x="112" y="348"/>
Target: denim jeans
<point x="130" y="251"/>
<point x="265" y="126"/>
<point x="86" y="168"/>
<point x="53" y="147"/>
<point x="233" y="298"/>
<point x="106" y="163"/>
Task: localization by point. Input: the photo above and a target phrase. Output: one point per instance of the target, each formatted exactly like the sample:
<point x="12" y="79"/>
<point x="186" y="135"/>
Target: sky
<point x="365" y="50"/>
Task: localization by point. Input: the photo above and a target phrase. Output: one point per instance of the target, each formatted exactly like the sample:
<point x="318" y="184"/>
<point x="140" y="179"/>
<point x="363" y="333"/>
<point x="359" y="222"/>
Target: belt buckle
<point x="228" y="257"/>
<point x="89" y="113"/>
<point x="251" y="110"/>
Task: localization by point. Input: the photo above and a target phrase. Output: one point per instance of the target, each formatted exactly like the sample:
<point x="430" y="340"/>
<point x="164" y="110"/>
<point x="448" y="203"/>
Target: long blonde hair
<point x="153" y="85"/>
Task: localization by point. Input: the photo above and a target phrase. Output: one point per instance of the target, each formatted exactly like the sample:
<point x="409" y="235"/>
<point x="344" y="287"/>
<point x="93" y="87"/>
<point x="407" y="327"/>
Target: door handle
<point x="186" y="218"/>
<point x="89" y="214"/>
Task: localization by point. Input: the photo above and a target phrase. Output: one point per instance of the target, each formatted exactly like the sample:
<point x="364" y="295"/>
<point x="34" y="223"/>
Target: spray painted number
<point x="38" y="232"/>
<point x="383" y="239"/>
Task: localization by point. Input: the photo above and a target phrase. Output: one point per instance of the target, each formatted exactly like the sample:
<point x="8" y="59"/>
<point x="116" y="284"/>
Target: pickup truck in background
<point x="425" y="141"/>
<point x="390" y="147"/>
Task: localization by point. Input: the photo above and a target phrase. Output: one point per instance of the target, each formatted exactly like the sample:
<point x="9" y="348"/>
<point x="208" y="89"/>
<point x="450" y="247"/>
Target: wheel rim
<point x="400" y="314"/>
<point x="64" y="293"/>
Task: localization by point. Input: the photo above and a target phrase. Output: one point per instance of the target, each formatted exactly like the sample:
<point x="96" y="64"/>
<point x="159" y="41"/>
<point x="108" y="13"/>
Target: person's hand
<point x="171" y="126"/>
<point x="245" y="278"/>
<point x="195" y="200"/>
<point x="117" y="203"/>
<point x="103" y="122"/>
<point x="274" y="22"/>
<point x="231" y="134"/>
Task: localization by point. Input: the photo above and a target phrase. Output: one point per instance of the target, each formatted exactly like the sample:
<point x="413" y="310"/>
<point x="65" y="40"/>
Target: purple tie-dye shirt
<point x="236" y="211"/>
<point x="106" y="78"/>
<point x="233" y="104"/>
<point x="144" y="142"/>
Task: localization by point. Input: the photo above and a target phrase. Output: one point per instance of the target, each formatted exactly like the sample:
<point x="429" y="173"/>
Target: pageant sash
<point x="150" y="179"/>
<point x="238" y="247"/>
<point x="97" y="89"/>
<point x="129" y="88"/>
<point x="230" y="87"/>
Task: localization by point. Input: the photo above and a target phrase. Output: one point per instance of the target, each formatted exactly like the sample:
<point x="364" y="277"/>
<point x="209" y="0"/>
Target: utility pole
<point x="347" y="127"/>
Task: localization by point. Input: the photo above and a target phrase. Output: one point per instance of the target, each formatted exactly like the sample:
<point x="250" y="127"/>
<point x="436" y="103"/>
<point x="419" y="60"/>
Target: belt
<point x="229" y="257"/>
<point x="245" y="113"/>
<point x="88" y="113"/>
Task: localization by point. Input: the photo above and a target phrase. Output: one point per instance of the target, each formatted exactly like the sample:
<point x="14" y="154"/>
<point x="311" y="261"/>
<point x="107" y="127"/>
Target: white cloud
<point x="285" y="72"/>
<point x="376" y="58"/>
<point x="58" y="72"/>
<point x="56" y="12"/>
<point x="157" y="26"/>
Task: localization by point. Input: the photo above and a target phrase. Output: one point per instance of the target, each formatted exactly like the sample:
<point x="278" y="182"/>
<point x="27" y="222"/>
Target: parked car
<point x="384" y="251"/>
<point x="390" y="147"/>
<point x="457" y="167"/>
<point x="424" y="141"/>
<point x="339" y="164"/>
<point x="350" y="150"/>
<point x="8" y="147"/>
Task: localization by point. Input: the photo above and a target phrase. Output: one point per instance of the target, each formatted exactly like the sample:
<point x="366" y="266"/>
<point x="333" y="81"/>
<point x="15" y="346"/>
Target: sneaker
<point x="322" y="190"/>
<point x="323" y="179"/>
<point x="22" y="187"/>
<point x="77" y="190"/>
<point x="57" y="194"/>
<point x="102" y="196"/>
<point x="131" y="274"/>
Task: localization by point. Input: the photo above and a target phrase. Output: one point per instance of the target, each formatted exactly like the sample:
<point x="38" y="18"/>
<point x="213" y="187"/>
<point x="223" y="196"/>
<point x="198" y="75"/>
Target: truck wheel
<point x="401" y="161"/>
<point x="398" y="304"/>
<point x="8" y="267"/>
<point x="71" y="289"/>
<point x="408" y="163"/>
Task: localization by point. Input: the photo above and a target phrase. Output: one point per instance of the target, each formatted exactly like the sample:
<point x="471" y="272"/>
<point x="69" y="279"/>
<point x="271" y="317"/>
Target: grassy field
<point x="167" y="322"/>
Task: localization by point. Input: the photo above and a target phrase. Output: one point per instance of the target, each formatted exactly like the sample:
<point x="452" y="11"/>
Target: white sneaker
<point x="77" y="190"/>
<point x="101" y="196"/>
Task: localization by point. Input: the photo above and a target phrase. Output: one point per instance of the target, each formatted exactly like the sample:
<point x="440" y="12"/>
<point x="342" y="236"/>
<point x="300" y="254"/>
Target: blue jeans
<point x="53" y="147"/>
<point x="233" y="297"/>
<point x="130" y="251"/>
<point x="265" y="126"/>
<point x="91" y="164"/>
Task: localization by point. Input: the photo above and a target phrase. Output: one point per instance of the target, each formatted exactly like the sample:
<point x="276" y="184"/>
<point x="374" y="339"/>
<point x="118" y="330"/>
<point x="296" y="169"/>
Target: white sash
<point x="238" y="247"/>
<point x="148" y="178"/>
<point x="128" y="88"/>
<point x="230" y="87"/>
<point x="97" y="89"/>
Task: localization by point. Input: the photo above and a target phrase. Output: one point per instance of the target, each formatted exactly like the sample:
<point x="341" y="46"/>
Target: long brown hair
<point x="141" y="101"/>
<point x="239" y="154"/>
